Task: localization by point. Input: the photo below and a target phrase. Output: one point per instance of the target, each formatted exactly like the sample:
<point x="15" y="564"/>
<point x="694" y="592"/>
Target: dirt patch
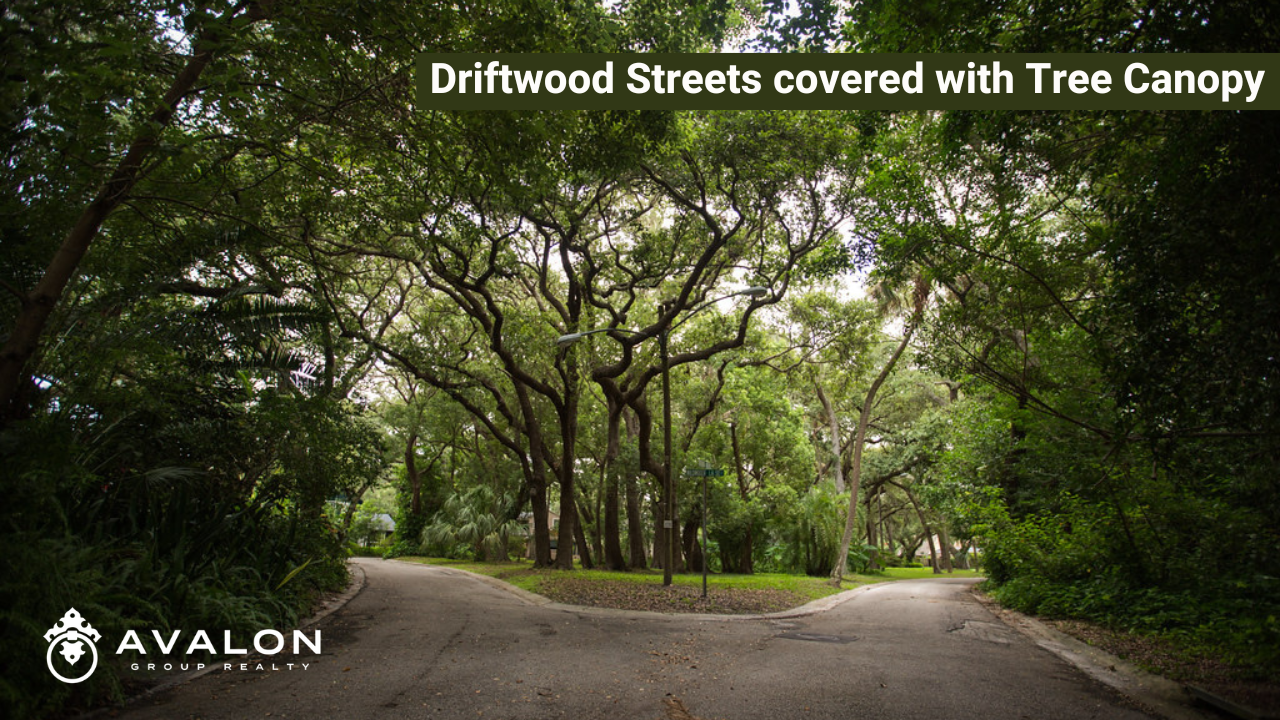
<point x="674" y="599"/>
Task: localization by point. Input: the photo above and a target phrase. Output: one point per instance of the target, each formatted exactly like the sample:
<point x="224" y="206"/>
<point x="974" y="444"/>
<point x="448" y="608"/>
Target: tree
<point x="212" y="35"/>
<point x="475" y="519"/>
<point x="920" y="297"/>
<point x="182" y="436"/>
<point x="599" y="244"/>
<point x="1103" y="279"/>
<point x="772" y="211"/>
<point x="760" y="436"/>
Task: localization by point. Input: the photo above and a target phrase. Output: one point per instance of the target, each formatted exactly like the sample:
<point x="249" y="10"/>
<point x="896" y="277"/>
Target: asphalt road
<point x="425" y="642"/>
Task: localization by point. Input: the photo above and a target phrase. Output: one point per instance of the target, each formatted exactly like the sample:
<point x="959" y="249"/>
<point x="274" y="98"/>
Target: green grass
<point x="479" y="568"/>
<point x="523" y="575"/>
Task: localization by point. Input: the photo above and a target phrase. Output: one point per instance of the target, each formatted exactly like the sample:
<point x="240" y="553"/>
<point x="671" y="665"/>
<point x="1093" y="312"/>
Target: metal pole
<point x="880" y="519"/>
<point x="668" y="523"/>
<point x="704" y="535"/>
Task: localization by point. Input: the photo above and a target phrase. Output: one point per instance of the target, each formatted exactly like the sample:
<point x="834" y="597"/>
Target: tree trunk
<point x="692" y="549"/>
<point x="928" y="531"/>
<point x="534" y="467"/>
<point x="873" y="538"/>
<point x="636" y="546"/>
<point x="349" y="515"/>
<point x="635" y="514"/>
<point x="1011" y="479"/>
<point x="412" y="475"/>
<point x="908" y="546"/>
<point x="613" y="559"/>
<point x="659" y="537"/>
<point x="580" y="537"/>
<point x="836" y="450"/>
<point x="746" y="563"/>
<point x="864" y="419"/>
<point x="880" y="526"/>
<point x="888" y="538"/>
<point x="933" y="551"/>
<point x="945" y="538"/>
<point x="597" y="532"/>
<point x="871" y="520"/>
<point x="570" y="528"/>
<point x="541" y="526"/>
<point x="656" y="467"/>
<point x="565" y="538"/>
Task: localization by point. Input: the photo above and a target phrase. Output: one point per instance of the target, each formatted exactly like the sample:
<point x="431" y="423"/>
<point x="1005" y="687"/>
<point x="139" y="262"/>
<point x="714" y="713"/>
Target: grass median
<point x="643" y="589"/>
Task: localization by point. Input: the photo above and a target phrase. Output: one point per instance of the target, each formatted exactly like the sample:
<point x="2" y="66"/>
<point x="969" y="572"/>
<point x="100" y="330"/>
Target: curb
<point x="1227" y="706"/>
<point x="336" y="603"/>
<point x="354" y="586"/>
<point x="812" y="607"/>
<point x="1154" y="693"/>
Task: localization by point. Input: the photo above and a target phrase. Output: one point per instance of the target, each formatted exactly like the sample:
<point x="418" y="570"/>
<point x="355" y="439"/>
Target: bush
<point x="472" y="525"/>
<point x="860" y="556"/>
<point x="355" y="550"/>
<point x="163" y="549"/>
<point x="407" y="539"/>
<point x="1076" y="564"/>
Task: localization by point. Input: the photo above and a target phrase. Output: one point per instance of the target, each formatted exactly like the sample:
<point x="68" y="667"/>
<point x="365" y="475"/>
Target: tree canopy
<point x="245" y="284"/>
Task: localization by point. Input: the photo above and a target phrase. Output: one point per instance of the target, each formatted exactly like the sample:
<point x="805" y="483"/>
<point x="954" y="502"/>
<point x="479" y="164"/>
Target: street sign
<point x="703" y="472"/>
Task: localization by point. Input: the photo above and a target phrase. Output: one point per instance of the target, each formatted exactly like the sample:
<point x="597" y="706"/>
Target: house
<point x="553" y="521"/>
<point x="961" y="554"/>
<point x="381" y="527"/>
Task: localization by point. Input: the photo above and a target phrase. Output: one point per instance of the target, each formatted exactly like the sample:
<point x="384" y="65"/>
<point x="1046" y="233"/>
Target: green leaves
<point x="473" y="522"/>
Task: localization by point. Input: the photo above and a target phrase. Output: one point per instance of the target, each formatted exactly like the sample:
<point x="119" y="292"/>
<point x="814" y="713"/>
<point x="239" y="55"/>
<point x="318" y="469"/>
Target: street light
<point x="571" y="338"/>
<point x="668" y="521"/>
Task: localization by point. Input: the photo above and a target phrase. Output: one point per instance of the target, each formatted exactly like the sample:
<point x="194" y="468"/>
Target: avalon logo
<point x="71" y="636"/>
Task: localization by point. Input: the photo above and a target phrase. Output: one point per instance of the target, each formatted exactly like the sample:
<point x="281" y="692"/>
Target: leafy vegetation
<point x="907" y="573"/>
<point x="1105" y="317"/>
<point x="244" y="287"/>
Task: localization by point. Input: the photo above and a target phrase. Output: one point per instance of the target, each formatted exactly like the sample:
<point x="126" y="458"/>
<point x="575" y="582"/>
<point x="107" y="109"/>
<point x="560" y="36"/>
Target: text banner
<point x="745" y="81"/>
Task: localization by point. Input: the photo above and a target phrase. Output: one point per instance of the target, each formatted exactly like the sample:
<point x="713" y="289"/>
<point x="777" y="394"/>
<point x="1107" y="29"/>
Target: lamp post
<point x="668" y="516"/>
<point x="704" y="535"/>
<point x="669" y="489"/>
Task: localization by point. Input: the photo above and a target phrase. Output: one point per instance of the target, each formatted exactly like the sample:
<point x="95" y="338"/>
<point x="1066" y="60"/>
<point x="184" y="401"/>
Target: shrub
<point x="163" y="549"/>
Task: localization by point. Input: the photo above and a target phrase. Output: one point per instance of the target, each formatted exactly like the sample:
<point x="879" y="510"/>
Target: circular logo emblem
<point x="71" y="638"/>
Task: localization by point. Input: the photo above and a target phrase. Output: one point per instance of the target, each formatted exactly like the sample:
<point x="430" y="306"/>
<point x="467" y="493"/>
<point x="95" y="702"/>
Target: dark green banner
<point x="745" y="81"/>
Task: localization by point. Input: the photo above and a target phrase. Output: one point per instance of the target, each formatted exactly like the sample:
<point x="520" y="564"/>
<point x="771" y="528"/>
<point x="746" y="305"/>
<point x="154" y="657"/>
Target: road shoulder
<point x="355" y="583"/>
<point x="1155" y="694"/>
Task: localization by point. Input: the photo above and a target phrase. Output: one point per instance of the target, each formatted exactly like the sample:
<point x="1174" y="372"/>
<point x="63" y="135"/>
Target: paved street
<point x="425" y="642"/>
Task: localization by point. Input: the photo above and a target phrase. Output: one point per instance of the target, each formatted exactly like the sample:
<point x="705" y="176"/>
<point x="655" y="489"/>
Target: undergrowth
<point x="158" y="550"/>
